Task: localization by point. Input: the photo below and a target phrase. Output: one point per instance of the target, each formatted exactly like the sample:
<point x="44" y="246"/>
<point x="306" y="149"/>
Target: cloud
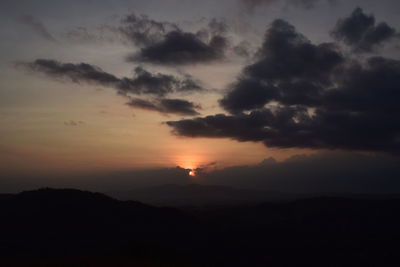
<point x="289" y="69"/>
<point x="182" y="48"/>
<point x="241" y="127"/>
<point x="167" y="44"/>
<point x="77" y="73"/>
<point x="174" y="106"/>
<point x="143" y="82"/>
<point x="38" y="27"/>
<point x="159" y="84"/>
<point x="360" y="31"/>
<point x="302" y="95"/>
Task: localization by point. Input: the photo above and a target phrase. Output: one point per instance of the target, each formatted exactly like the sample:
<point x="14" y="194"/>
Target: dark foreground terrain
<point x="51" y="227"/>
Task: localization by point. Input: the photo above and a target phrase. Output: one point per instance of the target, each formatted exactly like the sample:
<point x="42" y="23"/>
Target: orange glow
<point x="189" y="162"/>
<point x="192" y="173"/>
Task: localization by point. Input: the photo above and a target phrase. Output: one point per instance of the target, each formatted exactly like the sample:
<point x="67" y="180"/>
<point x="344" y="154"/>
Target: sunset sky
<point x="128" y="85"/>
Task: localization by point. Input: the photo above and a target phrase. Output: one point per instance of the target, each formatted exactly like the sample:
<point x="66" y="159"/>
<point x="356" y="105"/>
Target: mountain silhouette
<point x="71" y="223"/>
<point x="52" y="227"/>
<point x="198" y="195"/>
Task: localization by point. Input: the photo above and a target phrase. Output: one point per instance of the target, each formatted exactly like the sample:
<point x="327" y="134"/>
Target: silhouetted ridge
<point x="197" y="195"/>
<point x="323" y="231"/>
<point x="66" y="222"/>
<point x="69" y="196"/>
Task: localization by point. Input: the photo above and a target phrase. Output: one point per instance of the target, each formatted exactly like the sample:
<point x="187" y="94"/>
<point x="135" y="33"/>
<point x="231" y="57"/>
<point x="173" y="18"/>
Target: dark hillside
<point x="69" y="226"/>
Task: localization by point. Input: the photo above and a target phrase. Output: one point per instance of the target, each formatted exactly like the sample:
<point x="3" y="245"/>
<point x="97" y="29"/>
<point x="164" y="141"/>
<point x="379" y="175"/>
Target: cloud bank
<point x="297" y="94"/>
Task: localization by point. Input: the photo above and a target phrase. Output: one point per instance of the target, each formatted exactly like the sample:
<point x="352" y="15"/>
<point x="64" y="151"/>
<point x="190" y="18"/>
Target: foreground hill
<point x="78" y="228"/>
<point x="50" y="223"/>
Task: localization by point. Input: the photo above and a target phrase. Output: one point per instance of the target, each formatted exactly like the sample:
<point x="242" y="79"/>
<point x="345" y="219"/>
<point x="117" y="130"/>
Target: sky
<point x="103" y="94"/>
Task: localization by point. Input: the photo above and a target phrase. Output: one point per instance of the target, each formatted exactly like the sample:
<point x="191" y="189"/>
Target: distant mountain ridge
<point x="196" y="194"/>
<point x="181" y="195"/>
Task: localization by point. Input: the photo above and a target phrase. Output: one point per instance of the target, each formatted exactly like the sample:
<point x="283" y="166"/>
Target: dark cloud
<point x="148" y="83"/>
<point x="288" y="55"/>
<point x="289" y="69"/>
<point x="360" y="31"/>
<point x="241" y="127"/>
<point x="77" y="73"/>
<point x="167" y="106"/>
<point x="143" y="82"/>
<point x="38" y="27"/>
<point x="167" y="44"/>
<point x="179" y="106"/>
<point x="308" y="96"/>
<point x="179" y="47"/>
<point x="248" y="94"/>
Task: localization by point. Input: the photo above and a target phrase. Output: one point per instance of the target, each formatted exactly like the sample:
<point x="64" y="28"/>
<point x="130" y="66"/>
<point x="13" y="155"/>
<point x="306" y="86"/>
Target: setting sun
<point x="189" y="162"/>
